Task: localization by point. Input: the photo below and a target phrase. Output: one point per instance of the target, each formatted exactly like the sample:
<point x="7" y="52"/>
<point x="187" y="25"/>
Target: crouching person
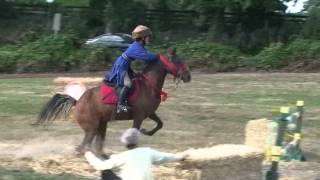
<point x="136" y="162"/>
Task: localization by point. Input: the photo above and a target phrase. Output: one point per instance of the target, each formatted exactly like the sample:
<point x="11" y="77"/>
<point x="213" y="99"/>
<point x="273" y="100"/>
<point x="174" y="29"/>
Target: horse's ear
<point x="172" y="51"/>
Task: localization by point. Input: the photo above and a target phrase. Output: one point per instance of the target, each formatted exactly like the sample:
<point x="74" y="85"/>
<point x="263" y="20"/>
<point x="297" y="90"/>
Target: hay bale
<point x="221" y="162"/>
<point x="256" y="133"/>
<point x="57" y="164"/>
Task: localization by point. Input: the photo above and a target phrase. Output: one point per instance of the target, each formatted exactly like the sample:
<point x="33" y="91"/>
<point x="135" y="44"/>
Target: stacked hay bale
<point x="221" y="162"/>
<point x="256" y="132"/>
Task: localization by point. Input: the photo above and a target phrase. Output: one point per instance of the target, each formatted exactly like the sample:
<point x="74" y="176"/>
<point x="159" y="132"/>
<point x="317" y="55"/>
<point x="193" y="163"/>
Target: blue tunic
<point x="123" y="62"/>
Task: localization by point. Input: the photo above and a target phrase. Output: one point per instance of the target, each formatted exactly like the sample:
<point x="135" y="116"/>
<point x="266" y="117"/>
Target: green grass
<point x="31" y="175"/>
<point x="23" y="96"/>
<point x="212" y="109"/>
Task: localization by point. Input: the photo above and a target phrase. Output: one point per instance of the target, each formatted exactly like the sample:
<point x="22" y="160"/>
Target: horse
<point x="93" y="116"/>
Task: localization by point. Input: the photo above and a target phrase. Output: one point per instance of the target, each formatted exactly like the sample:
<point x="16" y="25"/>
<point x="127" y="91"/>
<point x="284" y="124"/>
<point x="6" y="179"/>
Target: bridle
<point x="176" y="69"/>
<point x="173" y="68"/>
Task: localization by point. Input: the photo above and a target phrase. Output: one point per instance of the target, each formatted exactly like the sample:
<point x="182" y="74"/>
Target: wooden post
<point x="56" y="24"/>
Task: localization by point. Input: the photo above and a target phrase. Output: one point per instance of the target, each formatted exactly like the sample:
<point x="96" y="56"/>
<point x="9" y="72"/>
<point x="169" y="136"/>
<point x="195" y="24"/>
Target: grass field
<point x="31" y="175"/>
<point x="212" y="109"/>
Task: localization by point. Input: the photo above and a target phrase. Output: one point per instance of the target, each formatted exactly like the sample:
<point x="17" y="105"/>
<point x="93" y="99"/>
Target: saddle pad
<point x="109" y="95"/>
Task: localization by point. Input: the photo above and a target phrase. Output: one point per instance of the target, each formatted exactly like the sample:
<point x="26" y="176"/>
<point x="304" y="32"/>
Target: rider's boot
<point x="122" y="102"/>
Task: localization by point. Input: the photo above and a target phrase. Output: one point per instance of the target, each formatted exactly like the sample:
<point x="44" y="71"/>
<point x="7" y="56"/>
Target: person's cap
<point x="130" y="136"/>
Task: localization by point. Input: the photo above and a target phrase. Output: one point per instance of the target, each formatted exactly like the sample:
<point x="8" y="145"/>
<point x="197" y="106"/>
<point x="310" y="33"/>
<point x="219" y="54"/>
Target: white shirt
<point x="134" y="164"/>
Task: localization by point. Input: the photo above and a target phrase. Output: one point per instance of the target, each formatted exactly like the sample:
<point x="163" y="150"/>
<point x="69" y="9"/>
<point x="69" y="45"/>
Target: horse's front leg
<point x="159" y="125"/>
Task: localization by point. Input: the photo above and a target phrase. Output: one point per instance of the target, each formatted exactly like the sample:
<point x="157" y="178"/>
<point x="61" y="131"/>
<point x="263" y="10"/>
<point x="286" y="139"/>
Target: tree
<point x="310" y="4"/>
<point x="312" y="26"/>
<point x="95" y="15"/>
<point x="6" y="9"/>
<point x="123" y="15"/>
<point x="251" y="13"/>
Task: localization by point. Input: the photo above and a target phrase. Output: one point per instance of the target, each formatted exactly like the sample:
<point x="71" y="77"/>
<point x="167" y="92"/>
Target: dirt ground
<point x="49" y="155"/>
<point x="213" y="109"/>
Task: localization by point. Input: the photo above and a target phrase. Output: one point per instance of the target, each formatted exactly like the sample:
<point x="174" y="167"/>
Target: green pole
<point x="297" y="134"/>
<point x="300" y="105"/>
<point x="272" y="174"/>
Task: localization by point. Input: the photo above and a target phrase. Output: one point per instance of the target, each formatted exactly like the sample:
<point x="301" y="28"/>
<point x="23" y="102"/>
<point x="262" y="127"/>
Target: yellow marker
<point x="284" y="110"/>
<point x="275" y="158"/>
<point x="276" y="151"/>
<point x="289" y="135"/>
<point x="300" y="103"/>
<point x="275" y="110"/>
<point x="267" y="152"/>
<point x="297" y="136"/>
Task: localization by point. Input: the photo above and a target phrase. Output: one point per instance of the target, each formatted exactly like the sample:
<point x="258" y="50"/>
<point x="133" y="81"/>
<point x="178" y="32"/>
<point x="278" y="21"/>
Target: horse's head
<point x="176" y="66"/>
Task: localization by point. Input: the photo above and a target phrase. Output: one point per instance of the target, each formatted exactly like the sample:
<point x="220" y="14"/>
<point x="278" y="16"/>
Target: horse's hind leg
<point x="100" y="137"/>
<point x="159" y="125"/>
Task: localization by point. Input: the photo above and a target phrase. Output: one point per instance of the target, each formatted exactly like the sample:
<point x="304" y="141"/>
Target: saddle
<point x="109" y="95"/>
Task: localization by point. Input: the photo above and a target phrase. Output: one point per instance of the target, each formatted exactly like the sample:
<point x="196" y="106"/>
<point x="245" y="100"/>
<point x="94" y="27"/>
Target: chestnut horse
<point x="93" y="116"/>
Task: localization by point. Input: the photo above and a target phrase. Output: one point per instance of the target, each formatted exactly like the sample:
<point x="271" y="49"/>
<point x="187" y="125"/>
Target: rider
<point x="121" y="71"/>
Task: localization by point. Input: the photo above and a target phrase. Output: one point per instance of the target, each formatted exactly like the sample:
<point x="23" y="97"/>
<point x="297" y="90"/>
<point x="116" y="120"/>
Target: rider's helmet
<point x="141" y="31"/>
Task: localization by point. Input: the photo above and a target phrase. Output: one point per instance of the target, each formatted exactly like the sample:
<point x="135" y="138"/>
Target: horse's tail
<point x="59" y="104"/>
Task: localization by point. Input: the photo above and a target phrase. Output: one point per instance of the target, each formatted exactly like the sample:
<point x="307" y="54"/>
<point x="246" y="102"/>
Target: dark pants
<point x="109" y="175"/>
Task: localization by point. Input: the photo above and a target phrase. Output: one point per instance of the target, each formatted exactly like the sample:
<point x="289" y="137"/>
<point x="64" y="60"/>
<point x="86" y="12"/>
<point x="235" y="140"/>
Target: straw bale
<point x="222" y="162"/>
<point x="256" y="133"/>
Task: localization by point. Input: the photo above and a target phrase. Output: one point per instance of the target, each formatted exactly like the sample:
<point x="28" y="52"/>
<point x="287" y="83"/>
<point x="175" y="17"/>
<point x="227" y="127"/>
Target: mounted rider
<point x="121" y="73"/>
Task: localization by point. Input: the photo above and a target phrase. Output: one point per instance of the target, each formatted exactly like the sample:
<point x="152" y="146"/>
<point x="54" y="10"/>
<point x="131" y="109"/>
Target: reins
<point x="172" y="69"/>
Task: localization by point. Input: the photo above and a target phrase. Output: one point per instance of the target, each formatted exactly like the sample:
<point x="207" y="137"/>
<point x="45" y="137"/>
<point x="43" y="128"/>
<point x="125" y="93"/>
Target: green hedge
<point x="203" y="54"/>
<point x="301" y="54"/>
<point x="65" y="53"/>
<point x="52" y="53"/>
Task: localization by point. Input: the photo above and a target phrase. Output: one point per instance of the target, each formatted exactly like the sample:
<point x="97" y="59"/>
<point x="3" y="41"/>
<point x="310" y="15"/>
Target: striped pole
<point x="297" y="134"/>
<point x="276" y="150"/>
<point x="300" y="105"/>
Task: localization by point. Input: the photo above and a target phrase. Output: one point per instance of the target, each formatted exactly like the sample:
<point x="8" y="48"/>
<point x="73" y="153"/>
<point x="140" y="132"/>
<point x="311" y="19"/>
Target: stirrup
<point x="122" y="108"/>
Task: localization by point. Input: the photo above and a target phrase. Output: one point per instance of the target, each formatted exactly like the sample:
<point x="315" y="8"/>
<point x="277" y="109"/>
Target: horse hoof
<point x="80" y="150"/>
<point x="145" y="132"/>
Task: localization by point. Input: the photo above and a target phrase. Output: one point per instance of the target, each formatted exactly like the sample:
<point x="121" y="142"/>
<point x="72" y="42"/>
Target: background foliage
<point x="255" y="38"/>
<point x="52" y="53"/>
